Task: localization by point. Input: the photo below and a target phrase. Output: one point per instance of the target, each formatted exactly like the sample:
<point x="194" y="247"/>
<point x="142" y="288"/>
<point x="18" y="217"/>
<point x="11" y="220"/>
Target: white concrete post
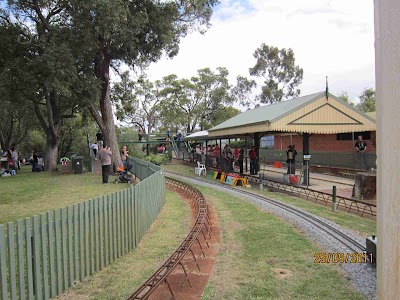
<point x="387" y="72"/>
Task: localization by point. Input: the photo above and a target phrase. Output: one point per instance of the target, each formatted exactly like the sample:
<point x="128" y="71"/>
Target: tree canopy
<point x="281" y="76"/>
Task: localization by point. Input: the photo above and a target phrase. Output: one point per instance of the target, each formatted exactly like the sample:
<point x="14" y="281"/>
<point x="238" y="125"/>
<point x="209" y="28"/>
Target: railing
<point x="42" y="256"/>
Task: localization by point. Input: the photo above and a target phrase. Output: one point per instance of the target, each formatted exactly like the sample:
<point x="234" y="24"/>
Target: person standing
<point x="361" y="147"/>
<point x="105" y="161"/>
<point x="100" y="139"/>
<point x="14" y="156"/>
<point x="291" y="159"/>
<point x="253" y="161"/>
<point x="95" y="148"/>
<point x="169" y="133"/>
<point x="240" y="160"/>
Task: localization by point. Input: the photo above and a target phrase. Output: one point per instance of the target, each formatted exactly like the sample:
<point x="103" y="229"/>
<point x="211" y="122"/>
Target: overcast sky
<point x="329" y="38"/>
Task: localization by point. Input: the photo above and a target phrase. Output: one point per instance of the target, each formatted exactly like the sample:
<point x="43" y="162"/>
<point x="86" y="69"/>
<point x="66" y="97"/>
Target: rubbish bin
<point x="77" y="165"/>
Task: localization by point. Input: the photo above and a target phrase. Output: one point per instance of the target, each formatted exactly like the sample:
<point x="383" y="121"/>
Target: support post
<point x="334" y="198"/>
<point x="387" y="70"/>
<point x="257" y="148"/>
<point x="306" y="151"/>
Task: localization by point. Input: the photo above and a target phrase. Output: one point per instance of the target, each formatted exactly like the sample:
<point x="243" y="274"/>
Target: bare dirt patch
<point x="282" y="273"/>
<point x="198" y="268"/>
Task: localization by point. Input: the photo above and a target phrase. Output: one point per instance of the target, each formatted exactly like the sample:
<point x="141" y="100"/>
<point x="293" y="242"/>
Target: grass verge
<point x="363" y="226"/>
<point x="120" y="279"/>
<point x="29" y="194"/>
<point x="262" y="257"/>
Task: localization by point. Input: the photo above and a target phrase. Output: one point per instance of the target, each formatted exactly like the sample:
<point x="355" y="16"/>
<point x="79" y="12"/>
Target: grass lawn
<point x="30" y="193"/>
<point x="120" y="279"/>
<point x="262" y="257"/>
<point x="363" y="226"/>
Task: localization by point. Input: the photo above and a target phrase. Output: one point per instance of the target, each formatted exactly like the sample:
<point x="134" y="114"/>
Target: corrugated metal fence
<point x="42" y="256"/>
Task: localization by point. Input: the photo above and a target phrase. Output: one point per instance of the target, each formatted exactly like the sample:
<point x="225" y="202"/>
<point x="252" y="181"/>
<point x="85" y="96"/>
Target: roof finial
<point x="326" y="91"/>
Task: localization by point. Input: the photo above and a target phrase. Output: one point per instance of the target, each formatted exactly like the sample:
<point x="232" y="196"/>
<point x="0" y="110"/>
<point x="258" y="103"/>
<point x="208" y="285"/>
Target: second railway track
<point x="347" y="241"/>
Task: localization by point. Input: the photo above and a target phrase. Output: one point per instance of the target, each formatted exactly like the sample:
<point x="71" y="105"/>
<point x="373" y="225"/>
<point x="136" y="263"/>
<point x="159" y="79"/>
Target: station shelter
<point x="319" y="113"/>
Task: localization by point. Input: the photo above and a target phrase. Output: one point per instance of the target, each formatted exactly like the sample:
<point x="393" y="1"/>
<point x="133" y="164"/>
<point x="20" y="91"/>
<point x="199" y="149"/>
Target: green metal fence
<point x="42" y="256"/>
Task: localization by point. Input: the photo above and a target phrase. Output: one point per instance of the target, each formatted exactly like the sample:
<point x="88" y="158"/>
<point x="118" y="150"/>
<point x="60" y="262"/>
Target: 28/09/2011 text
<point x="353" y="258"/>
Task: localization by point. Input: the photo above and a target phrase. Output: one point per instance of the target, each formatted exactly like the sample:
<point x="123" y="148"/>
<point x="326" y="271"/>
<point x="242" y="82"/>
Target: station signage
<point x="307" y="157"/>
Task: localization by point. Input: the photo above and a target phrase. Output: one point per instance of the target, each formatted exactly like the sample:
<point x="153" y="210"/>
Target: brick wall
<point x="322" y="142"/>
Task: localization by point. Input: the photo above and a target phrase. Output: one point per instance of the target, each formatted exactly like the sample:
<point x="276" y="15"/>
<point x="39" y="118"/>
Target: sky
<point x="333" y="38"/>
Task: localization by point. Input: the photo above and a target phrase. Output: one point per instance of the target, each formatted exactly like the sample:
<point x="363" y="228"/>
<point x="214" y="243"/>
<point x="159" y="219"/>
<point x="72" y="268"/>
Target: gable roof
<point x="312" y="113"/>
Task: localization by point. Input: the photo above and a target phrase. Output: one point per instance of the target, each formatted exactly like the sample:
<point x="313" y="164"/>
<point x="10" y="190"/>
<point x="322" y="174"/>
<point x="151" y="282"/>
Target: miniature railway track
<point x="202" y="221"/>
<point x="341" y="237"/>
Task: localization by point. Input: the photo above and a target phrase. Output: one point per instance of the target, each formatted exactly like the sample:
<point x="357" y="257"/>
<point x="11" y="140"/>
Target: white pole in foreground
<point x="387" y="73"/>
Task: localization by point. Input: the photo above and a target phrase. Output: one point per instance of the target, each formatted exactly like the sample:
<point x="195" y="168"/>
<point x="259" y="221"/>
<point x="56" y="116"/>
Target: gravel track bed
<point x="362" y="276"/>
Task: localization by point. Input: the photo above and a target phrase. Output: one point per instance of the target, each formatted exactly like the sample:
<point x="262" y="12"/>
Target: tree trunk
<point x="105" y="117"/>
<point x="51" y="155"/>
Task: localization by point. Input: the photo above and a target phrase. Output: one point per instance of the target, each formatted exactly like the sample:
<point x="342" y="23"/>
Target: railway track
<point x="201" y="228"/>
<point x="347" y="241"/>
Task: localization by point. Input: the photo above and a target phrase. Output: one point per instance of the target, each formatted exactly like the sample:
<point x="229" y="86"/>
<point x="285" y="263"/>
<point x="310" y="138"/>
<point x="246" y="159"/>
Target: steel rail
<point x="359" y="206"/>
<point x="202" y="221"/>
<point x="349" y="242"/>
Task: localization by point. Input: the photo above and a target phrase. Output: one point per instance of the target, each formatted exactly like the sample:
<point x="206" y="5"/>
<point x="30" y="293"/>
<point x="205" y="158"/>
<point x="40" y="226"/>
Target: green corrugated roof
<point x="268" y="112"/>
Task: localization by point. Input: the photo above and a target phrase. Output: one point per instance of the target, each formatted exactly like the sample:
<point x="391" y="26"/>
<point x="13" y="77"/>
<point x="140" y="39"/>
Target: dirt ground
<point x="197" y="276"/>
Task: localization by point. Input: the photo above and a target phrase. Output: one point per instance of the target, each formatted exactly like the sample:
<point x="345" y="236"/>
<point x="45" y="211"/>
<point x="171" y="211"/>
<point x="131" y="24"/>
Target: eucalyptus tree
<point x="53" y="72"/>
<point x="280" y="74"/>
<point x="213" y="89"/>
<point x="367" y="100"/>
<point x="181" y="105"/>
<point x="135" y="33"/>
<point x="243" y="91"/>
<point x="137" y="102"/>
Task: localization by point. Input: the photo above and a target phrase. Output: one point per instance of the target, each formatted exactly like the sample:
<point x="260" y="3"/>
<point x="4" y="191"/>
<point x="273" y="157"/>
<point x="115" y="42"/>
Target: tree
<point x="181" y="105"/>
<point x="243" y="91"/>
<point x="343" y="96"/>
<point x="135" y="33"/>
<point x="53" y="75"/>
<point x="367" y="100"/>
<point x="223" y="114"/>
<point x="213" y="89"/>
<point x="281" y="75"/>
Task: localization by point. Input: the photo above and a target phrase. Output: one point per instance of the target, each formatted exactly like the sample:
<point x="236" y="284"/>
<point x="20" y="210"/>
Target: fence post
<point x="334" y="198"/>
<point x="261" y="182"/>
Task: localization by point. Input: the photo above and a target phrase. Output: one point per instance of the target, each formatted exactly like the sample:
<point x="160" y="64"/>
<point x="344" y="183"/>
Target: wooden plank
<point x="37" y="282"/>
<point x="126" y="235"/>
<point x="73" y="231"/>
<point x="57" y="235"/>
<point x="3" y="268"/>
<point x="101" y="233"/>
<point x="81" y="244"/>
<point x="50" y="234"/>
<point x="129" y="220"/>
<point x="114" y="222"/>
<point x="29" y="261"/>
<point x="21" y="259"/>
<point x="387" y="68"/>
<point x="45" y="272"/>
<point x="64" y="237"/>
<point x="96" y="235"/>
<point x="76" y="244"/>
<point x="120" y="223"/>
<point x="87" y="239"/>
<point x="11" y="261"/>
<point x="92" y="234"/>
<point x="110" y="230"/>
<point x="106" y="231"/>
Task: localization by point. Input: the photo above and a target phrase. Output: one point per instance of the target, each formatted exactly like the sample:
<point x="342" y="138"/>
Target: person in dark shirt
<point x="253" y="161"/>
<point x="291" y="159"/>
<point x="240" y="160"/>
<point x="361" y="147"/>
